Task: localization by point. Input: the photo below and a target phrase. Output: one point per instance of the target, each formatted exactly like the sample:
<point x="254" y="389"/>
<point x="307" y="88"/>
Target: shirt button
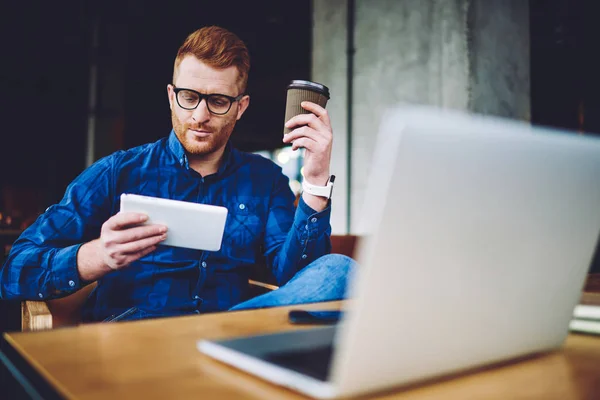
<point x="196" y="297"/>
<point x="71" y="283"/>
<point x="203" y="264"/>
<point x="304" y="256"/>
<point x="313" y="220"/>
<point x="242" y="206"/>
<point x="41" y="296"/>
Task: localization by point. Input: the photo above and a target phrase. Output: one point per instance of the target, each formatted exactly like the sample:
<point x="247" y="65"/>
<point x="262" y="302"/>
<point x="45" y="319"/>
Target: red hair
<point x="218" y="48"/>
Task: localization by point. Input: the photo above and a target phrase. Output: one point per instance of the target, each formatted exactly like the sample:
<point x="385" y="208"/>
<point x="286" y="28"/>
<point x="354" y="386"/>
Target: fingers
<point x="314" y="129"/>
<point x="125" y="219"/>
<point x="125" y="227"/>
<point x="119" y="255"/>
<point x="307" y="120"/>
<point x="133" y="248"/>
<point x="123" y="240"/>
<point x="138" y="233"/>
<point x="120" y="260"/>
<point x="303" y="132"/>
<point x="306" y="143"/>
<point x="140" y="245"/>
<point x="143" y="253"/>
<point x="317" y="119"/>
<point x="308" y="132"/>
<point x="316" y="109"/>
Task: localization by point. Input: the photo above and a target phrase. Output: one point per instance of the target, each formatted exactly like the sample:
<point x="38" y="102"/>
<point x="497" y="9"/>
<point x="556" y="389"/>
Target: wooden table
<point x="157" y="359"/>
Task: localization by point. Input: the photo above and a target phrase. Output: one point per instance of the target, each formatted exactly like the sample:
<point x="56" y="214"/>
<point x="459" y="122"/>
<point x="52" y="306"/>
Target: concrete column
<point x="329" y="68"/>
<point x="499" y="58"/>
<point x="410" y="51"/>
<point x="462" y="54"/>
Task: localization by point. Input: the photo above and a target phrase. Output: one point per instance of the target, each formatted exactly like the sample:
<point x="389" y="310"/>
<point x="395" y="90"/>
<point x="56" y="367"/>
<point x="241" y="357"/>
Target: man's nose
<point x="201" y="113"/>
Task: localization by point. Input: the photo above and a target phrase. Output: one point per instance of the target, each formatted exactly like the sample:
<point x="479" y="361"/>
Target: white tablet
<point x="190" y="225"/>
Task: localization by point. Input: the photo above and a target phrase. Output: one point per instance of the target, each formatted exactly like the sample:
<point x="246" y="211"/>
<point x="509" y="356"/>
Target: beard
<point x="203" y="146"/>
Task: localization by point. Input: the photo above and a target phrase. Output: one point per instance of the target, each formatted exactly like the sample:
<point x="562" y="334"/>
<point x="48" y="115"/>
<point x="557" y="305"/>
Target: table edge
<point x="33" y="376"/>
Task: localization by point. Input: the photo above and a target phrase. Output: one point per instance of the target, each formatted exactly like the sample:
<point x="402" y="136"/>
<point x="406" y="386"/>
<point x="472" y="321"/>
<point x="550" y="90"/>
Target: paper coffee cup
<point x="299" y="91"/>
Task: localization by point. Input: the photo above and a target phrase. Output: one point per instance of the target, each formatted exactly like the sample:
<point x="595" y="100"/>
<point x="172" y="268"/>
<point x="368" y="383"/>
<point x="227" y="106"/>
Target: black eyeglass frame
<point x="202" y="96"/>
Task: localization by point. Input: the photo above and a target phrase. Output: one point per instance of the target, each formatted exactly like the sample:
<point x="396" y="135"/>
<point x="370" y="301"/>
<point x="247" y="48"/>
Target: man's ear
<point x="171" y="95"/>
<point x="242" y="106"/>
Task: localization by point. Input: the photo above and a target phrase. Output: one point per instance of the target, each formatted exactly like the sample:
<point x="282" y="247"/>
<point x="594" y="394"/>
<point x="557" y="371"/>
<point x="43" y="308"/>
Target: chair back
<point x="66" y="311"/>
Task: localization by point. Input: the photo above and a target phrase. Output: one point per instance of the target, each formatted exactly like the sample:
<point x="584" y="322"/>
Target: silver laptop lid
<point x="481" y="234"/>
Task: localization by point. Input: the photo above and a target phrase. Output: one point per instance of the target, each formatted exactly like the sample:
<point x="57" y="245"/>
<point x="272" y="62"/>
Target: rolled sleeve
<point x="65" y="273"/>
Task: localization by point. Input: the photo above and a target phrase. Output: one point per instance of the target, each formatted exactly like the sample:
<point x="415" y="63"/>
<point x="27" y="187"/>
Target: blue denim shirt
<point x="262" y="227"/>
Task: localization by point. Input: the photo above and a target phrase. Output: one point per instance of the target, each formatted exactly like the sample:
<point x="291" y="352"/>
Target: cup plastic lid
<point x="301" y="84"/>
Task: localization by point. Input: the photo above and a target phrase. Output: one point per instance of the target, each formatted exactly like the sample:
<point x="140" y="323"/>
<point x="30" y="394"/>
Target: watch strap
<point x="321" y="191"/>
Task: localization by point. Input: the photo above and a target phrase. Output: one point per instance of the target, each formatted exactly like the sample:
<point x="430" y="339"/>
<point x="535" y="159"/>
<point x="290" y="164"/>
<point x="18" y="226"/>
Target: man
<point x="85" y="238"/>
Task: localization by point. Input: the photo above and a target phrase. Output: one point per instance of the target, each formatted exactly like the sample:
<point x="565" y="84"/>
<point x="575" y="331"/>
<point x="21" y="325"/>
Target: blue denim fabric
<point x="325" y="279"/>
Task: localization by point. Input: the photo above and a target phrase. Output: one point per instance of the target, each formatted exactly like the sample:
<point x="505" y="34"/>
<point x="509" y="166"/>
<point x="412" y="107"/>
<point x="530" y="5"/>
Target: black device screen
<point x="315" y="317"/>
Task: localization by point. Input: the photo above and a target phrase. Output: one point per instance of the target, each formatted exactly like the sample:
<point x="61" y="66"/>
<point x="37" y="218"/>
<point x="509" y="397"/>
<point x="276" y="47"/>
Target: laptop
<point x="478" y="234"/>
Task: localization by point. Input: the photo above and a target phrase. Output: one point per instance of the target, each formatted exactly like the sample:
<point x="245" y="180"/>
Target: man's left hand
<point x="313" y="132"/>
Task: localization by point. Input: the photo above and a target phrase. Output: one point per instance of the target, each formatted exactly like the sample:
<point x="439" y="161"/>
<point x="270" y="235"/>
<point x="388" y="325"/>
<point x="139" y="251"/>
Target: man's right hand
<point x="122" y="241"/>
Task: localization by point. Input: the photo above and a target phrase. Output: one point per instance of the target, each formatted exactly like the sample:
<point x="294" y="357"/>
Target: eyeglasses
<point x="218" y="104"/>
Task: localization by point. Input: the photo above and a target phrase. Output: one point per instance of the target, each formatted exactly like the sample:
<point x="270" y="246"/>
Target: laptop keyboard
<point x="314" y="362"/>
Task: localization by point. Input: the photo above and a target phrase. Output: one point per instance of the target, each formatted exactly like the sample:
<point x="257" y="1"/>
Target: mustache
<point x="199" y="127"/>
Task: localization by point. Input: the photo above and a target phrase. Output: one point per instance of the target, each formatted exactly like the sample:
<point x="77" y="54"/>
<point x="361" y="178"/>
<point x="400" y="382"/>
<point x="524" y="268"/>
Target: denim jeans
<point x="325" y="279"/>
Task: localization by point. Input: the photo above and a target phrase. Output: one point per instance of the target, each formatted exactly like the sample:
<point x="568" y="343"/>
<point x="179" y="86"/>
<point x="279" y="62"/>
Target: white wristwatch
<point x="321" y="191"/>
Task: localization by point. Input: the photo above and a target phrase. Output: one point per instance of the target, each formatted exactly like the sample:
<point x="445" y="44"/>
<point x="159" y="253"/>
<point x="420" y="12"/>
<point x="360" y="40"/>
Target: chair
<point x="66" y="311"/>
<point x="42" y="315"/>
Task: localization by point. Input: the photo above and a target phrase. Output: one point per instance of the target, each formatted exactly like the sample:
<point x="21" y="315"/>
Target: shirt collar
<point x="179" y="152"/>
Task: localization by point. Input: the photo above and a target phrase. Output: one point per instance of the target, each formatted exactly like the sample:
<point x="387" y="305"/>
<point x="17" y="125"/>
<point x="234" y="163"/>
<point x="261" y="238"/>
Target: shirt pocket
<point x="243" y="230"/>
